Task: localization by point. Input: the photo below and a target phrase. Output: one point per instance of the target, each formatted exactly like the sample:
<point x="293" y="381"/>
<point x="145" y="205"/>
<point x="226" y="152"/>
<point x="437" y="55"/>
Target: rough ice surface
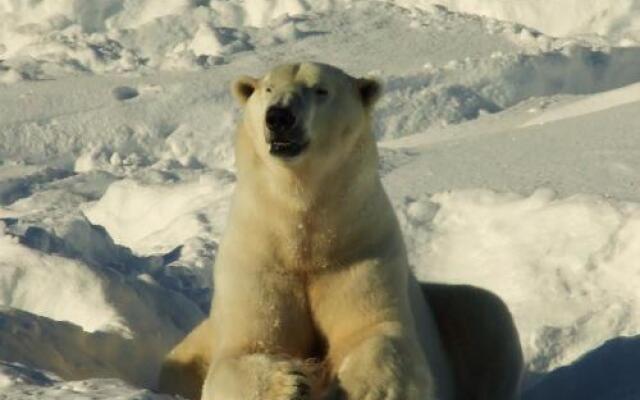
<point x="509" y="144"/>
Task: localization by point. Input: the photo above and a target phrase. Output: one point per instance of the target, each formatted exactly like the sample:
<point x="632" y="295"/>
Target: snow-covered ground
<point x="512" y="158"/>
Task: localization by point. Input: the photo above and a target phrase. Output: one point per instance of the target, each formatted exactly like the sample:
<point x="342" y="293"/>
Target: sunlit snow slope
<point x="512" y="158"/>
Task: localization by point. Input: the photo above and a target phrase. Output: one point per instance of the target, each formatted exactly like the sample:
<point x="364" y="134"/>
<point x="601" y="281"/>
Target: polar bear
<point x="314" y="297"/>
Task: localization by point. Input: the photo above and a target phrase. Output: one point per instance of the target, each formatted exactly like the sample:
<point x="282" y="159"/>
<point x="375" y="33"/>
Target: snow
<point x="165" y="218"/>
<point x="20" y="382"/>
<point x="510" y="153"/>
<point x="616" y="20"/>
<point x="592" y="104"/>
<point x="554" y="261"/>
<point x="24" y="269"/>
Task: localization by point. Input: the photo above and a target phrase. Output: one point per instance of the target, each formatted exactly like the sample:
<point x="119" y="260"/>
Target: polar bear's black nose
<point x="280" y="119"/>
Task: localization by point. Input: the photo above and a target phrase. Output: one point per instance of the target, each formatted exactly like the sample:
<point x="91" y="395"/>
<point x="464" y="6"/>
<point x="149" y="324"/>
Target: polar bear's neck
<point x="313" y="216"/>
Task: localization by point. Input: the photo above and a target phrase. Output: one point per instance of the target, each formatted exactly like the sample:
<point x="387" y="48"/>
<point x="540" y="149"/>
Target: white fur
<point x="313" y="258"/>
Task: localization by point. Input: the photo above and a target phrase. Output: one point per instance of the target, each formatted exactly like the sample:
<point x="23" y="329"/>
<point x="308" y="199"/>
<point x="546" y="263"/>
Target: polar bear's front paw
<point x="288" y="382"/>
<point x="258" y="377"/>
<point x="374" y="389"/>
<point x="380" y="370"/>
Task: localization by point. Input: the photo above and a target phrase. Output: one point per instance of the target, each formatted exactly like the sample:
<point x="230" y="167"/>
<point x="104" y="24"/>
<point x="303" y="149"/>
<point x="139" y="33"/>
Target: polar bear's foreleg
<point x="384" y="366"/>
<point x="263" y="334"/>
<point x="184" y="369"/>
<point x="257" y="377"/>
<point x="373" y="351"/>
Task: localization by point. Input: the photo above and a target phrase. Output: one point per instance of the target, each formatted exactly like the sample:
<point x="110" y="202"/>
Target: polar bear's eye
<point x="269" y="89"/>
<point x="321" y="91"/>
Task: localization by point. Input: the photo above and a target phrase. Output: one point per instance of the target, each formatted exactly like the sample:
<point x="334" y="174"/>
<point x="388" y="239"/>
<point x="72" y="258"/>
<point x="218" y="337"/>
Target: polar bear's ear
<point x="243" y="87"/>
<point x="370" y="90"/>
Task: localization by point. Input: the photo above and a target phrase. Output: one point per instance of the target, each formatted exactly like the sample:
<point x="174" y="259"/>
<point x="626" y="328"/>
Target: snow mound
<point x="19" y="382"/>
<point x="120" y="125"/>
<point x="49" y="38"/>
<point x="562" y="18"/>
<point x="68" y="352"/>
<point x="464" y="90"/>
<point x="173" y="214"/>
<point x="619" y="20"/>
<point x="565" y="266"/>
<point x="182" y="122"/>
<point x="22" y="269"/>
<point x="40" y="39"/>
<point x="79" y="305"/>
<point x="592" y="104"/>
<point x="182" y="222"/>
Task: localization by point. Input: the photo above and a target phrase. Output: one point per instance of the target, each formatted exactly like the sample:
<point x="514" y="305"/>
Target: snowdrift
<point x="617" y="21"/>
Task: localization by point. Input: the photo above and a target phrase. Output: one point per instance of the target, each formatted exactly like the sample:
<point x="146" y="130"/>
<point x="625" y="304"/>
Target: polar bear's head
<point x="299" y="111"/>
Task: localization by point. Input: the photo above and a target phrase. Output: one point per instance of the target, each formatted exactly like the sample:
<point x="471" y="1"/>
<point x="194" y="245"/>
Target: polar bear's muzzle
<point x="284" y="135"/>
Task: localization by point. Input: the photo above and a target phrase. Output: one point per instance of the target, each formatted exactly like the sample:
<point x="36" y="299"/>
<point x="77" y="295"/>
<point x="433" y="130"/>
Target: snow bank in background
<point x="566" y="267"/>
<point x="39" y="39"/>
<point x="592" y="104"/>
<point x="119" y="124"/>
<point x="464" y="90"/>
<point x="561" y="18"/>
<point x="51" y="38"/>
<point x="619" y="19"/>
<point x="178" y="122"/>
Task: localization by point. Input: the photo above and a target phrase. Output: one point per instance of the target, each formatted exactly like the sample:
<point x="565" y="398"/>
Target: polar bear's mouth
<point x="286" y="149"/>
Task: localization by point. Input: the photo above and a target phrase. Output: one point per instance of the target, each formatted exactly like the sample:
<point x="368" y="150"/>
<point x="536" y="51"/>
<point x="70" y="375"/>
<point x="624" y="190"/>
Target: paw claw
<point x="290" y="384"/>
